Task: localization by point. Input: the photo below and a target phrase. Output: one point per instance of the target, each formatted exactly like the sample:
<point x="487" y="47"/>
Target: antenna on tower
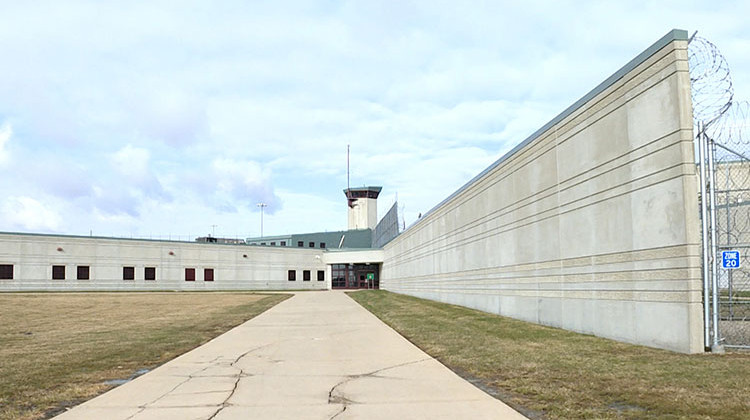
<point x="347" y="171"/>
<point x="349" y="199"/>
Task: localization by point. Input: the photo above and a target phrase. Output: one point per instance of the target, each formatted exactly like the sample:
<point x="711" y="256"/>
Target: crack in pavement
<point x="339" y="413"/>
<point x="141" y="408"/>
<point x="341" y="399"/>
<point x="240" y="375"/>
<point x="214" y="362"/>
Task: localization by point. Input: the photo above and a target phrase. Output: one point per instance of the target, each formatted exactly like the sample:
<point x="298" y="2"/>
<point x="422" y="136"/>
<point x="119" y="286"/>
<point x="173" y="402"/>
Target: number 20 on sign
<point x="730" y="259"/>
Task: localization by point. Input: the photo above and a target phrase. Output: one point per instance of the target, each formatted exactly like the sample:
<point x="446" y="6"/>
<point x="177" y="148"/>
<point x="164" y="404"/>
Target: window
<point x="262" y="243"/>
<point x="189" y="274"/>
<point x="322" y="244"/>
<point x="341" y="275"/>
<point x="283" y="243"/>
<point x="149" y="273"/>
<point x="306" y="275"/>
<point x="311" y="244"/>
<point x="208" y="274"/>
<point x="321" y="275"/>
<point x="292" y="275"/>
<point x="300" y="244"/>
<point x="82" y="272"/>
<point x="128" y="273"/>
<point x="6" y="271"/>
<point x="58" y="272"/>
<point x="273" y="243"/>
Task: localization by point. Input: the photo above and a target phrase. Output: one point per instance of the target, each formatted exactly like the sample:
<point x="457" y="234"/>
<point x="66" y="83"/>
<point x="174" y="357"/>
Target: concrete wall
<point x="590" y="225"/>
<point x="236" y="267"/>
<point x="387" y="228"/>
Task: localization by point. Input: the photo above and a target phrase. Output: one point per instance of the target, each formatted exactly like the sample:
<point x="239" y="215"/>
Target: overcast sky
<point x="163" y="118"/>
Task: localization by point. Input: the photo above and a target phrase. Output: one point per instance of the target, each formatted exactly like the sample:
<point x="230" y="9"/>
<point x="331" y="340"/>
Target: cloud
<point x="6" y="131"/>
<point x="168" y="114"/>
<point x="241" y="184"/>
<point x="26" y="213"/>
<point x="151" y="116"/>
<point x="133" y="169"/>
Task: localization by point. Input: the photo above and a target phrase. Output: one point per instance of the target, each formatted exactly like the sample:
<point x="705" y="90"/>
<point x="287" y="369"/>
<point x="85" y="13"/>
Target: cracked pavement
<point x="318" y="355"/>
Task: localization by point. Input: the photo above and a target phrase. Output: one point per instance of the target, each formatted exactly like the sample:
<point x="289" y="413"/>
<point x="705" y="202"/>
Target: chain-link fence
<point x="723" y="140"/>
<point x="732" y="195"/>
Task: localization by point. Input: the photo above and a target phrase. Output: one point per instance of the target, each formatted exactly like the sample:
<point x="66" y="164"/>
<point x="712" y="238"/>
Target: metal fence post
<point x="715" y="344"/>
<point x="704" y="220"/>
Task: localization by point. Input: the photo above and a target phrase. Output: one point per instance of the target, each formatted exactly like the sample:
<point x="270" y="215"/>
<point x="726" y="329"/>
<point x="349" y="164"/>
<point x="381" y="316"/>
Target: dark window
<point x="292" y="275"/>
<point x="208" y="274"/>
<point x="128" y="273"/>
<point x="82" y="272"/>
<point x="311" y="244"/>
<point x="322" y="244"/>
<point x="6" y="271"/>
<point x="58" y="272"/>
<point x="149" y="273"/>
<point x="273" y="243"/>
<point x="283" y="243"/>
<point x="306" y="275"/>
<point x="262" y="243"/>
<point x="189" y="274"/>
<point x="300" y="244"/>
<point x="321" y="275"/>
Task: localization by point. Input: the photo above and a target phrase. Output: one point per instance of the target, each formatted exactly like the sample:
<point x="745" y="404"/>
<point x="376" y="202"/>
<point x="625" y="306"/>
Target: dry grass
<point x="556" y="374"/>
<point x="58" y="348"/>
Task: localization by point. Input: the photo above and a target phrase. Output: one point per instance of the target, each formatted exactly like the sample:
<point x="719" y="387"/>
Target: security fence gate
<point x="725" y="183"/>
<point x="722" y="130"/>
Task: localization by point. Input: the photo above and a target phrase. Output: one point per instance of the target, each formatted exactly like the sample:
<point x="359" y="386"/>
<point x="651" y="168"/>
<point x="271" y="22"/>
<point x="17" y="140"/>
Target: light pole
<point x="262" y="206"/>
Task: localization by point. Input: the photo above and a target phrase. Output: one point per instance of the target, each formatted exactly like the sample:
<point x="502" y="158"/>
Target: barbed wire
<point x="711" y="82"/>
<point x="733" y="126"/>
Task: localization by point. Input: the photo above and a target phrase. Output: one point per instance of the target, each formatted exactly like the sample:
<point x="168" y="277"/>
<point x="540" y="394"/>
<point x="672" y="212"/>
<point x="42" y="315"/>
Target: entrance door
<point x="355" y="276"/>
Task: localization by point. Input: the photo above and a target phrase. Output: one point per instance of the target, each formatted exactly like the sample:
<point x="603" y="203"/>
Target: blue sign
<point x="730" y="259"/>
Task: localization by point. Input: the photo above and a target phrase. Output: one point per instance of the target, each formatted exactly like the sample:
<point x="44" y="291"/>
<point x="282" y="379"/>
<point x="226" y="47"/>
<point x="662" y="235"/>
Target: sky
<point x="173" y="119"/>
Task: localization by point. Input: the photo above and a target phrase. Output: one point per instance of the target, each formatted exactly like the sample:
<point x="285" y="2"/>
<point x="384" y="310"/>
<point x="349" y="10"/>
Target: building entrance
<point x="355" y="276"/>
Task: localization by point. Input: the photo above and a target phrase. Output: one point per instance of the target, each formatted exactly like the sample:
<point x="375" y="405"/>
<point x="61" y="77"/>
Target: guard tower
<point x="363" y="207"/>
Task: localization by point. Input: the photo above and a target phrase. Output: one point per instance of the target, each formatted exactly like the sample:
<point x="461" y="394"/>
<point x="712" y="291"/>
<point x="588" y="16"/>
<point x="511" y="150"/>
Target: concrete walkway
<point x="318" y="355"/>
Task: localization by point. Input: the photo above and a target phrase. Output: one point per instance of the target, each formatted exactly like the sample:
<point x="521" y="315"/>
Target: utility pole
<point x="262" y="206"/>
<point x="213" y="230"/>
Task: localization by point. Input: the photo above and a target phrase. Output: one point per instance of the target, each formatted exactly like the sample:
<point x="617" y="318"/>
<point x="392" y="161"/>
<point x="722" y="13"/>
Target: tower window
<point x="292" y="275"/>
<point x="128" y="273"/>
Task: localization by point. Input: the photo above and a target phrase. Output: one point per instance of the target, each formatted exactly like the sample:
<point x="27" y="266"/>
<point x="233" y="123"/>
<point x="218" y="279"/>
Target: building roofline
<point x="373" y="188"/>
<point x="110" y="238"/>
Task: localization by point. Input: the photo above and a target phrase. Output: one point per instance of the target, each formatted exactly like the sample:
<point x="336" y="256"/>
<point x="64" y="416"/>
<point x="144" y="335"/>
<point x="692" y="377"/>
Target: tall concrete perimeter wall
<point x="235" y="267"/>
<point x="590" y="225"/>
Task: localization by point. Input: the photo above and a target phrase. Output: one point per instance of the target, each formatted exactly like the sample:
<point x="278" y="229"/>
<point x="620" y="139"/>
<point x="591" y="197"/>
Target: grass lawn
<point x="58" y="349"/>
<point x="551" y="373"/>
